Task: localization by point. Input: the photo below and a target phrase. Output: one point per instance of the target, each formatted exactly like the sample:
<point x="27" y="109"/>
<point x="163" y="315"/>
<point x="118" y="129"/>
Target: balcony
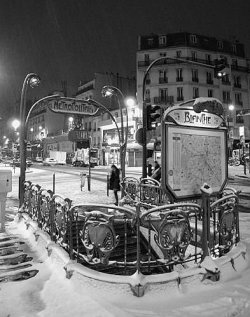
<point x="226" y="82"/>
<point x="161" y="99"/>
<point x="237" y="85"/>
<point x="163" y="80"/>
<point x="179" y="79"/>
<point x="210" y="82"/>
<point x="238" y="103"/>
<point x="195" y="79"/>
<point x="240" y="68"/>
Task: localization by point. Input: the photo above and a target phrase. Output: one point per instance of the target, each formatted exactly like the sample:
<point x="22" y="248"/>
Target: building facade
<point x="187" y="73"/>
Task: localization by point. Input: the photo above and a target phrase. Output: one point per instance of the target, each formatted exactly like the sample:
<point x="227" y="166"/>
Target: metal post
<point x="107" y="184"/>
<point x="243" y="158"/>
<point x="23" y="132"/>
<point x="22" y="143"/>
<point x="54" y="183"/>
<point x="144" y="141"/>
<point x="206" y="193"/>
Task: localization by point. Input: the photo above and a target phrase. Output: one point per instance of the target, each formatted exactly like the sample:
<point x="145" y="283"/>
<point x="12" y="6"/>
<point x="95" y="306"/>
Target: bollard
<point x="5" y="187"/>
<point x="54" y="183"/>
<point x="82" y="180"/>
<point x="107" y="184"/>
<point x="88" y="178"/>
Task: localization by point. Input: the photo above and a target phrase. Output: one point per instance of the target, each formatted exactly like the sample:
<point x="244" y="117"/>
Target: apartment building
<point x="101" y="128"/>
<point x="187" y="73"/>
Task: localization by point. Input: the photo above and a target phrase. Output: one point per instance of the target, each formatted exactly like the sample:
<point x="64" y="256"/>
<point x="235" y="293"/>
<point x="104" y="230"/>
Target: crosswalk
<point x="15" y="265"/>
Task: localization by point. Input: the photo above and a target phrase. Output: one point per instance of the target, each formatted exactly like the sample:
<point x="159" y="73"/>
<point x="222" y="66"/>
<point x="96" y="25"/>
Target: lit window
<point x="193" y="38"/>
<point x="163" y="40"/>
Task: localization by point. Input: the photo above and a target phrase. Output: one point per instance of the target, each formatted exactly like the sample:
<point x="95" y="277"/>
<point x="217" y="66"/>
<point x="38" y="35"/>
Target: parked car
<point x="79" y="164"/>
<point x="49" y="162"/>
<point x="39" y="159"/>
<point x="17" y="163"/>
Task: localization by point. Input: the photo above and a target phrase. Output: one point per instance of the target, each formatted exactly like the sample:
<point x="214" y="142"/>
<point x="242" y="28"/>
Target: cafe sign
<point x="72" y="106"/>
<point x="188" y="117"/>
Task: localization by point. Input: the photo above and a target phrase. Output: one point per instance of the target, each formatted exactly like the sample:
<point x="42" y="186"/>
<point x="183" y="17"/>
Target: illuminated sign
<point x="71" y="105"/>
<point x="191" y="118"/>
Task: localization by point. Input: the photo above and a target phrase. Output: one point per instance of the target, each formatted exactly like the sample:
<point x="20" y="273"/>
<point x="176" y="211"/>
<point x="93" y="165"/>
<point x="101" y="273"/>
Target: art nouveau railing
<point x="119" y="240"/>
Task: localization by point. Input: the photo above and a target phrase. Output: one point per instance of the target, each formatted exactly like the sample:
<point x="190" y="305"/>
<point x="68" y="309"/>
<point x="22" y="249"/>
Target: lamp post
<point x="108" y="91"/>
<point x="31" y="80"/>
<point x="230" y="108"/>
<point x="218" y="67"/>
<point x="15" y="124"/>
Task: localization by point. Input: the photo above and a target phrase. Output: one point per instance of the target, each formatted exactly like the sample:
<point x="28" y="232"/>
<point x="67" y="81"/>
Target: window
<point x="208" y="59"/>
<point x="164" y="61"/>
<point x="209" y="78"/>
<point x="239" y="117"/>
<point x="220" y="45"/>
<point x="238" y="99"/>
<point x="210" y="93"/>
<point x="163" y="76"/>
<point x="194" y="55"/>
<point x="148" y="81"/>
<point x="234" y="48"/>
<point x="226" y="96"/>
<point x="163" y="93"/>
<point x="147" y="95"/>
<point x="163" y="40"/>
<point x="234" y="62"/>
<point x="195" y="75"/>
<point x="225" y="80"/>
<point x="150" y="42"/>
<point x="179" y="74"/>
<point x="180" y="93"/>
<point x="178" y="54"/>
<point x="237" y="81"/>
<point x="193" y="38"/>
<point x="195" y="92"/>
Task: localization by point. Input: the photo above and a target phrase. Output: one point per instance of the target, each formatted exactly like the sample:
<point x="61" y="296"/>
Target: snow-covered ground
<point x="49" y="293"/>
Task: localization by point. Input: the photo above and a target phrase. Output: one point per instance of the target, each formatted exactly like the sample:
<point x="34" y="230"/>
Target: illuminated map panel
<point x="198" y="156"/>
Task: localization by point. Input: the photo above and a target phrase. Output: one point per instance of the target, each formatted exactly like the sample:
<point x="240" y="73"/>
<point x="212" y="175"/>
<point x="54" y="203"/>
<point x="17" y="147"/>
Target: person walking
<point x="157" y="172"/>
<point x="114" y="182"/>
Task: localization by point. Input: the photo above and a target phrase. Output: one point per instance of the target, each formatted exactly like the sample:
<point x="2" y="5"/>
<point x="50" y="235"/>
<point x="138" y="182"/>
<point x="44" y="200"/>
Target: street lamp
<point x="31" y="80"/>
<point x="231" y="109"/>
<point x="108" y="91"/>
<point x="15" y="124"/>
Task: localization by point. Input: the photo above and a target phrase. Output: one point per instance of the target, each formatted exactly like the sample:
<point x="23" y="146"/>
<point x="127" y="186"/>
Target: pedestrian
<point x="149" y="170"/>
<point x="114" y="182"/>
<point x="157" y="172"/>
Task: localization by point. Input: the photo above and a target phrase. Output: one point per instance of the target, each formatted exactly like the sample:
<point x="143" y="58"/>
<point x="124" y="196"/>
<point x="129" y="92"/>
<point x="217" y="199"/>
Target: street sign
<point x="72" y="105"/>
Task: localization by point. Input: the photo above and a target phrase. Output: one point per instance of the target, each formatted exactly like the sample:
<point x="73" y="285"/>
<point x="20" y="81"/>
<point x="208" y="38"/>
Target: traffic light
<point x="219" y="68"/>
<point x="152" y="115"/>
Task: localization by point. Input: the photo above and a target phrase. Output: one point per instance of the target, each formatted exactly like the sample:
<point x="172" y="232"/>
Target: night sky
<point x="70" y="40"/>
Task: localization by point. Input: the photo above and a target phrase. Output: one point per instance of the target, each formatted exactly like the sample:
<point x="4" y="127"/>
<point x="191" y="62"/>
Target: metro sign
<point x="72" y="105"/>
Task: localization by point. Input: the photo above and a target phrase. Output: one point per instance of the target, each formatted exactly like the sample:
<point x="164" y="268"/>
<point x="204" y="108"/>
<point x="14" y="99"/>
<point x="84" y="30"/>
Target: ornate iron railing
<point x="119" y="240"/>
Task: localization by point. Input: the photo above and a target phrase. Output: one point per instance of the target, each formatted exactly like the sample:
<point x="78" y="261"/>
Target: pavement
<point x="240" y="181"/>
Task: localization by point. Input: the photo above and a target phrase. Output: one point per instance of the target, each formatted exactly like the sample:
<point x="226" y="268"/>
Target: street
<point x="66" y="174"/>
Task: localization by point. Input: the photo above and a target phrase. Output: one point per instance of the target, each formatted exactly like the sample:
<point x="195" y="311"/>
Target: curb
<point x="138" y="284"/>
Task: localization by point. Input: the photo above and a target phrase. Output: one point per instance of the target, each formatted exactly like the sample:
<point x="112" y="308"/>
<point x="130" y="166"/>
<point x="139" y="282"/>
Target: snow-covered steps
<point x="15" y="265"/>
<point x="22" y="274"/>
